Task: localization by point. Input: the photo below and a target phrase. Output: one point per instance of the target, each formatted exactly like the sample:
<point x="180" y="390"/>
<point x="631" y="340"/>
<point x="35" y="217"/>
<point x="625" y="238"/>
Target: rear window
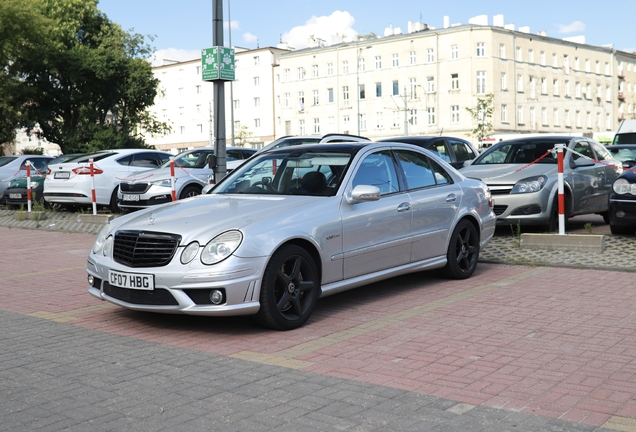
<point x="625" y="138"/>
<point x="6" y="159"/>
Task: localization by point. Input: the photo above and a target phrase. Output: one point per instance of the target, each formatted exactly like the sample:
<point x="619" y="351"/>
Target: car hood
<point x="21" y="182"/>
<point x="205" y="216"/>
<point x="153" y="174"/>
<point x="496" y="174"/>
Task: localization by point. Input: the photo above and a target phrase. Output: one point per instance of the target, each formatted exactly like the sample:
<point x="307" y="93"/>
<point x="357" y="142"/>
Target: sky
<point x="181" y="28"/>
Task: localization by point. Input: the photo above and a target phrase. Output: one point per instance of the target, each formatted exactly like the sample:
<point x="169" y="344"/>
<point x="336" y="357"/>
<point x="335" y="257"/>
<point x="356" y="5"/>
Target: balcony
<point x="621" y="96"/>
<point x="621" y="75"/>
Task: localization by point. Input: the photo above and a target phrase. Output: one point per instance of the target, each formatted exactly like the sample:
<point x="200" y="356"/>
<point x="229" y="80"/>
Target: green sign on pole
<point x="217" y="64"/>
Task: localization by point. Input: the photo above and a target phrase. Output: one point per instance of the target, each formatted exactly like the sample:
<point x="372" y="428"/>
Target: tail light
<point x="489" y="197"/>
<point x="86" y="170"/>
<point x="48" y="171"/>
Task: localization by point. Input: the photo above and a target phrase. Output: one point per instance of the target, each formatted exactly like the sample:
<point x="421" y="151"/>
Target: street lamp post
<point x="358" y="51"/>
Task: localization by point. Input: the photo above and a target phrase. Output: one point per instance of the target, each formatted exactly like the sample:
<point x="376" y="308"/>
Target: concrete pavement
<point x="520" y="348"/>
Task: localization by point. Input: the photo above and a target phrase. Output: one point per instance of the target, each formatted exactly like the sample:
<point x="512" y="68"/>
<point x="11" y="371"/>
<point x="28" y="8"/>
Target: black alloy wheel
<point x="290" y="289"/>
<point x="463" y="251"/>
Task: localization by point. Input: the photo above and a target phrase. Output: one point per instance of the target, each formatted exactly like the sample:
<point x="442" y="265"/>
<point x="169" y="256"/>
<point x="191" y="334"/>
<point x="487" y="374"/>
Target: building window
<point x="577" y="118"/>
<point x="567" y="89"/>
<point x="544" y="116"/>
<point x="542" y="58"/>
<point x="555" y="87"/>
<point x="181" y="111"/>
<point x="346" y="121"/>
<point x="566" y="64"/>
<point x="287" y="99"/>
<point x="379" y="121"/>
<point x="481" y="49"/>
<point x="257" y="101"/>
<point x="316" y="125"/>
<point x="520" y="83"/>
<point x="396" y="119"/>
<point x="301" y="127"/>
<point x="430" y="55"/>
<point x="200" y="128"/>
<point x="413" y="117"/>
<point x="394" y="60"/>
<point x="598" y="67"/>
<point x="555" y="117"/>
<point x="454" y="81"/>
<point x="454" y="52"/>
<point x="412" y="87"/>
<point x="588" y="67"/>
<point x="520" y="114"/>
<point x="378" y="90"/>
<point x="345" y="67"/>
<point x="345" y="95"/>
<point x="180" y="91"/>
<point x="330" y="95"/>
<point x="257" y="81"/>
<point x="182" y="129"/>
<point x="577" y="65"/>
<point x="363" y="122"/>
<point x="530" y="56"/>
<point x="396" y="88"/>
<point x="198" y="70"/>
<point x="430" y="114"/>
<point x="504" y="113"/>
<point x="301" y="101"/>
<point x="577" y="89"/>
<point x="544" y="86"/>
<point x="502" y="51"/>
<point x="198" y="89"/>
<point x="455" y="114"/>
<point x="504" y="81"/>
<point x="566" y="118"/>
<point x="412" y="58"/>
<point x="532" y="118"/>
<point x="378" y="62"/>
<point x="481" y="82"/>
<point x="315" y="97"/>
<point x="532" y="88"/>
<point x="430" y="84"/>
<point x="361" y="92"/>
<point x="361" y="65"/>
<point x="588" y="120"/>
<point x="314" y="71"/>
<point x="237" y="104"/>
<point x="257" y="60"/>
<point x="555" y="60"/>
<point x="519" y="54"/>
<point x="287" y="75"/>
<point x="329" y="69"/>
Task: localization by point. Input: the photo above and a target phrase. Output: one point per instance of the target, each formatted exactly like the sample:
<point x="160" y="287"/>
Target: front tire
<point x="189" y="191"/>
<point x="289" y="290"/>
<point x="463" y="251"/>
<point x="553" y="223"/>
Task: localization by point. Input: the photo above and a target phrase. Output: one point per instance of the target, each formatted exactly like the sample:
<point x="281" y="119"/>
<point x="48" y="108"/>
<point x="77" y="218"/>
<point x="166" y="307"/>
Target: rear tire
<point x="463" y="251"/>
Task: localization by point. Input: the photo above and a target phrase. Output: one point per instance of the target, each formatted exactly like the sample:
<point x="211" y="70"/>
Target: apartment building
<point x="417" y="83"/>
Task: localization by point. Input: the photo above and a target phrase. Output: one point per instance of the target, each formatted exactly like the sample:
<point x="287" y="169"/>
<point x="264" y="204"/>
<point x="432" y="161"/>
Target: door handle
<point x="404" y="207"/>
<point x="451" y="197"/>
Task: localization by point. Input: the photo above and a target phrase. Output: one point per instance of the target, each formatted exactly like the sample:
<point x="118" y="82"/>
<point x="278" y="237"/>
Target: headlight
<point x="189" y="252"/>
<point x="163" y="183"/>
<point x="221" y="247"/>
<point x="108" y="246"/>
<point x="101" y="238"/>
<point x="529" y="185"/>
<point x="622" y="186"/>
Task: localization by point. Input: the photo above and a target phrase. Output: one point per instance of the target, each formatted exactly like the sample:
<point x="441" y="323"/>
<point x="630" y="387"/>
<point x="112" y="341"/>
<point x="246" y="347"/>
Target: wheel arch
<point x="311" y="249"/>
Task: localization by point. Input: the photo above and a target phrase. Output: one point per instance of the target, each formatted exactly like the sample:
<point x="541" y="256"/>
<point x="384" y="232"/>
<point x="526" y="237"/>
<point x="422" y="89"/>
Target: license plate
<point x="62" y="175"/>
<point x="131" y="280"/>
<point x="128" y="197"/>
<point x="15" y="196"/>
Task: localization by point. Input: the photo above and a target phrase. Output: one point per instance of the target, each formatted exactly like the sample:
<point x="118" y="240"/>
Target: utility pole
<point x="219" y="97"/>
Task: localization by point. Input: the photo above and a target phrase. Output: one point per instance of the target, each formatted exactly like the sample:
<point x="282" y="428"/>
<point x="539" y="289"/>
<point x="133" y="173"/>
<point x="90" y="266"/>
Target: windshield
<point x="625" y="138"/>
<point x="623" y="154"/>
<point x="520" y="152"/>
<point x="292" y="172"/>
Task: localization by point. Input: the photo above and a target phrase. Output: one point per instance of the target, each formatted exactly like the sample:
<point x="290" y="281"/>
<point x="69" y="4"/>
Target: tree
<point x="88" y="82"/>
<point x="241" y="134"/>
<point x="482" y="117"/>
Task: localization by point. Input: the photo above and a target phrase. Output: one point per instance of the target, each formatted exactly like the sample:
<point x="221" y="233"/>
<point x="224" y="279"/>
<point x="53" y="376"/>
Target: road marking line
<point x="317" y="344"/>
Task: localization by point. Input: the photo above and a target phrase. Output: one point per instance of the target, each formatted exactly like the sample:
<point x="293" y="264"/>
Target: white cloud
<point x="232" y="25"/>
<point x="249" y="38"/>
<point x="576" y="26"/>
<point x="170" y="55"/>
<point x="330" y="28"/>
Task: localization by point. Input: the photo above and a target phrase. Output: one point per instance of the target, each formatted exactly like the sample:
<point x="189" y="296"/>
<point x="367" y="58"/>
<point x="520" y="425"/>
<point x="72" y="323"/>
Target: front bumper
<point x="180" y="289"/>
<point x="155" y="195"/>
<point x="622" y="210"/>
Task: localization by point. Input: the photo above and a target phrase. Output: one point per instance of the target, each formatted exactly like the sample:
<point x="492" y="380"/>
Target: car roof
<point x="420" y="138"/>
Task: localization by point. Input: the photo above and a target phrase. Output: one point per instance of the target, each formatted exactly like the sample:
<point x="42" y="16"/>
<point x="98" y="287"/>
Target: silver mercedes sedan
<point x="292" y="225"/>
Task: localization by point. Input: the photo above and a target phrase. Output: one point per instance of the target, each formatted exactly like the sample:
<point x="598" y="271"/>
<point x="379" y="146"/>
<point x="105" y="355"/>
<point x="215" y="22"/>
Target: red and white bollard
<point x="93" y="197"/>
<point x="28" y="167"/>
<point x="561" y="200"/>
<point x="174" y="193"/>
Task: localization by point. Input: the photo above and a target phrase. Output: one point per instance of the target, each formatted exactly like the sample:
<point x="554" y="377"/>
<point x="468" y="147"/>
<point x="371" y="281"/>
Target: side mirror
<point x="628" y="164"/>
<point x="363" y="193"/>
<point x="583" y="162"/>
<point x="468" y="162"/>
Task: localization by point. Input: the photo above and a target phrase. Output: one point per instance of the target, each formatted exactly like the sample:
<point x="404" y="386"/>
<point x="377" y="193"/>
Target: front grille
<point x="501" y="191"/>
<point x="134" y="187"/>
<point x="527" y="210"/>
<point x="156" y="297"/>
<point x="499" y="209"/>
<point x="144" y="248"/>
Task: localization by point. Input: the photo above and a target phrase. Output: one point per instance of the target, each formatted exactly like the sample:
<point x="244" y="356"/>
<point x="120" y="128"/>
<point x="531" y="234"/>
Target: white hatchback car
<point x="69" y="183"/>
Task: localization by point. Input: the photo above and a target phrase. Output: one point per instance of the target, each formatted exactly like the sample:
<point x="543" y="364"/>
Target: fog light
<point x="216" y="296"/>
<point x="91" y="280"/>
<point x="620" y="213"/>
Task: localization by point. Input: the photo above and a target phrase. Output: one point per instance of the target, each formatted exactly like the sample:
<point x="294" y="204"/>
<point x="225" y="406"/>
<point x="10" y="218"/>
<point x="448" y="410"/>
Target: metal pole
<point x="229" y="33"/>
<point x="358" y="82"/>
<point x="561" y="200"/>
<point x="219" y="97"/>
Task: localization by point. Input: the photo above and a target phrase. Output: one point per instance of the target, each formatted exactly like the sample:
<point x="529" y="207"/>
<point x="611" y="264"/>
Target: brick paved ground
<point x="513" y="348"/>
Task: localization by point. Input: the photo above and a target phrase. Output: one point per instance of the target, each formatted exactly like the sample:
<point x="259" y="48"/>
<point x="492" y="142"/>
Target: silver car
<point x="291" y="225"/>
<point x="522" y="177"/>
